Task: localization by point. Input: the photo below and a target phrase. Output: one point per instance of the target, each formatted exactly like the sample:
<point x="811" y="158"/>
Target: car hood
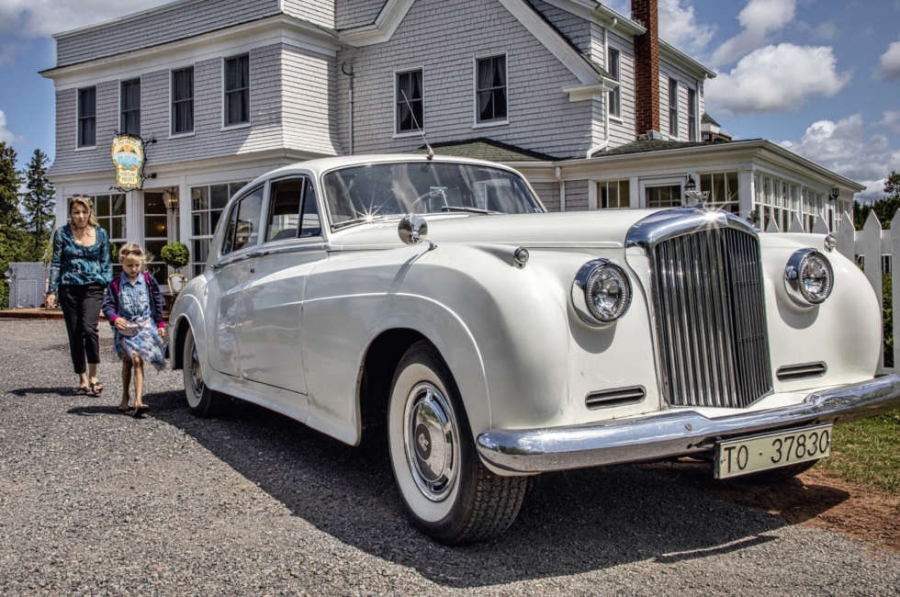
<point x="562" y="229"/>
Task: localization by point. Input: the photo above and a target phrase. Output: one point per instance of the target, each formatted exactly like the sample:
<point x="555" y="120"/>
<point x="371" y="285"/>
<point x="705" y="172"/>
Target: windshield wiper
<point x="473" y="210"/>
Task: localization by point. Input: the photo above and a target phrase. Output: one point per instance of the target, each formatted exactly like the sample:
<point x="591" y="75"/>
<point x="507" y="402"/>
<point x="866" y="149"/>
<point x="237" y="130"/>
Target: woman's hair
<point x="85" y="202"/>
<point x="134" y="250"/>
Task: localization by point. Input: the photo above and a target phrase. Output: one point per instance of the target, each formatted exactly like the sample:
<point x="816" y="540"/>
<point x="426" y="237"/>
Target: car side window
<point x="243" y="222"/>
<point x="284" y="213"/>
<point x="311" y="224"/>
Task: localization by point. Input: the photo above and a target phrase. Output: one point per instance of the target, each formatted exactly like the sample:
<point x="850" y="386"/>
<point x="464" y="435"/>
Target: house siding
<point x="169" y="23"/>
<point x="548" y="193"/>
<point x="310" y="100"/>
<point x="209" y="140"/>
<point x="357" y="13"/>
<point x="320" y="12"/>
<point x="443" y="39"/>
<point x="577" y="195"/>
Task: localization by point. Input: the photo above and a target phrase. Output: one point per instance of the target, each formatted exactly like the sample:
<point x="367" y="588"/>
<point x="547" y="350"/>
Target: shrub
<point x="175" y="255"/>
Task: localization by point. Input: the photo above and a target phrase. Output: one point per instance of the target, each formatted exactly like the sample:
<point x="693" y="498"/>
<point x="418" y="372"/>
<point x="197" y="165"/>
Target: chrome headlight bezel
<point x="588" y="284"/>
<point x="799" y="270"/>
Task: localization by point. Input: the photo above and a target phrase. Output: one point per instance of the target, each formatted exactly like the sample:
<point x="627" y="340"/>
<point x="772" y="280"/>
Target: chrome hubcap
<point x="430" y="438"/>
<point x="197" y="385"/>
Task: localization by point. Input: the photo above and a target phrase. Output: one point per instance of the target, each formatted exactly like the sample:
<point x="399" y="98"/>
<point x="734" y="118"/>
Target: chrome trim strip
<point x="615" y="397"/>
<point x="674" y="433"/>
<point x="800" y="370"/>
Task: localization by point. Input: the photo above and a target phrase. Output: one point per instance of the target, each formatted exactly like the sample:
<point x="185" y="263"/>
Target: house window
<point x="664" y="196"/>
<point x="673" y="107"/>
<point x="692" y="114"/>
<point x="490" y="89"/>
<point x="613" y="194"/>
<point x="237" y="90"/>
<point x="87" y="117"/>
<point x="615" y="96"/>
<point x="183" y="101"/>
<point x="207" y="203"/>
<point x="723" y="190"/>
<point x="130" y="107"/>
<point x="110" y="213"/>
<point x="409" y="102"/>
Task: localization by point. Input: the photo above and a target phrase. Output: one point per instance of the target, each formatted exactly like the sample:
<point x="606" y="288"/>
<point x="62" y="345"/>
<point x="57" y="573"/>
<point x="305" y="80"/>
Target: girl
<point x="134" y="307"/>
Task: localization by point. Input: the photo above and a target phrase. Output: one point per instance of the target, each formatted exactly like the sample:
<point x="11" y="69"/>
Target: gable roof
<point x="487" y="149"/>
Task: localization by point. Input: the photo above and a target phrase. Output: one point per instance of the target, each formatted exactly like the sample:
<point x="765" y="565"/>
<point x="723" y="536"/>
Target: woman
<point x="80" y="269"/>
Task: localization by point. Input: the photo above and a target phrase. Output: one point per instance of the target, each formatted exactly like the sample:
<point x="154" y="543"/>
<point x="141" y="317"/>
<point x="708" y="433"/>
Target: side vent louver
<point x="791" y="372"/>
<point x="615" y="397"/>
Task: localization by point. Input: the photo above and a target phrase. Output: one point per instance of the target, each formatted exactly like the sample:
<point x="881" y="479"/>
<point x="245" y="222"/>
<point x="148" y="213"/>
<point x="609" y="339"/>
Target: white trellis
<point x="872" y="243"/>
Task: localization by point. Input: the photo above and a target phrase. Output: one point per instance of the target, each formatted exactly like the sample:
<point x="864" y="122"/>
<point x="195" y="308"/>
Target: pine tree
<point x="38" y="203"/>
<point x="13" y="238"/>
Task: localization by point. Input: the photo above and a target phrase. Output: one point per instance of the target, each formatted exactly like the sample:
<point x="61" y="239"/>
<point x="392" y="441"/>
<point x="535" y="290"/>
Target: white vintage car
<point x="493" y="341"/>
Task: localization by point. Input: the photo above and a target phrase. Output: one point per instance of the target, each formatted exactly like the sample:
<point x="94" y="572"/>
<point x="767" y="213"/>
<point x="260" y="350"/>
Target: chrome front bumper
<point x="674" y="433"/>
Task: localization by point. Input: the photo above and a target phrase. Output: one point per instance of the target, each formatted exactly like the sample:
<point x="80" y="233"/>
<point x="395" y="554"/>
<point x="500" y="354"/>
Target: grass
<point x="867" y="452"/>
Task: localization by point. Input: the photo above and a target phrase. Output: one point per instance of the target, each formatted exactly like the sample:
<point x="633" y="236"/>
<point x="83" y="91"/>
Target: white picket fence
<point x="872" y="244"/>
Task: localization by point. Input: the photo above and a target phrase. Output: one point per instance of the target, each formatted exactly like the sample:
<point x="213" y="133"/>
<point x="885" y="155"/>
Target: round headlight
<point x="808" y="277"/>
<point x="601" y="292"/>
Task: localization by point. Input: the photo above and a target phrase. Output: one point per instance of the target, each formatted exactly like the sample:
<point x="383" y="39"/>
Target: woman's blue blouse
<point x="77" y="265"/>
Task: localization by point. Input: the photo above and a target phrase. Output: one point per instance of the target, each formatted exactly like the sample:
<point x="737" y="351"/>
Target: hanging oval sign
<point x="128" y="158"/>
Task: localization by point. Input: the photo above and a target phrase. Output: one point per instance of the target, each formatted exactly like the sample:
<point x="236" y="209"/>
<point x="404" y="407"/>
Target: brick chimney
<point x="646" y="67"/>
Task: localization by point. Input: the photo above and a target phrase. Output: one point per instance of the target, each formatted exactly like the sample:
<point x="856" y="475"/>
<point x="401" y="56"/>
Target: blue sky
<point x="821" y="77"/>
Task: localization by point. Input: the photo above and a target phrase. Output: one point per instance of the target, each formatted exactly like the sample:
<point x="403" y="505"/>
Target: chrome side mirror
<point x="412" y="229"/>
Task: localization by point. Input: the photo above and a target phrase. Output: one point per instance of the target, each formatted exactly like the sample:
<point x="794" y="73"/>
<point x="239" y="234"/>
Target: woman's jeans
<point x="81" y="307"/>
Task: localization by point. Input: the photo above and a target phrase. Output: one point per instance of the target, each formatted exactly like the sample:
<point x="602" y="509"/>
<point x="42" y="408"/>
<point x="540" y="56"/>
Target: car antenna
<point x="430" y="154"/>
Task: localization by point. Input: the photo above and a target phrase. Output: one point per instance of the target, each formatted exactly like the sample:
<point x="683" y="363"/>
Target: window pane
<point x="101" y="206"/>
<point x="311" y="225"/>
<point x="624" y="193"/>
<point x="118" y="204"/>
<point x="199" y="198"/>
<point x="218" y="196"/>
<point x="284" y="215"/>
<point x="490" y="96"/>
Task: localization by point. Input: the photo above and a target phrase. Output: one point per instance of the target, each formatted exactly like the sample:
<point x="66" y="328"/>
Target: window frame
<point x="673" y="107"/>
<point x="306" y="199"/>
<point x="173" y="102"/>
<point x="693" y="110"/>
<point x="477" y="122"/>
<point x="125" y="113"/>
<point x="614" y="66"/>
<point x="80" y="118"/>
<point x="227" y="94"/>
<point x="234" y="212"/>
<point x="397" y="103"/>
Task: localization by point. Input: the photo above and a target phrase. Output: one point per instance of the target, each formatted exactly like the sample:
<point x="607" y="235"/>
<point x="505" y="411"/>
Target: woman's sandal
<point x="123" y="408"/>
<point x="96" y="388"/>
<point x="82" y="391"/>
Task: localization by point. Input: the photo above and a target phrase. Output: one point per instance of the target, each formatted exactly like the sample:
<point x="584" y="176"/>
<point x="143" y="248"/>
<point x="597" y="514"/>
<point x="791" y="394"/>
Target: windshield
<point x="363" y="193"/>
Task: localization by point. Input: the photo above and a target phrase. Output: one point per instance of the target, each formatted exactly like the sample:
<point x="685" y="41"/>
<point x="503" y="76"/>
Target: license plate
<point x="763" y="452"/>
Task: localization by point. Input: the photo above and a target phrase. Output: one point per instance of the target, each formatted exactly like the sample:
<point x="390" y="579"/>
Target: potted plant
<point x="176" y="256"/>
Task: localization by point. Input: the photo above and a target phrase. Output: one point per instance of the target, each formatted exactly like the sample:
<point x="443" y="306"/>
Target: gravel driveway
<point x="96" y="503"/>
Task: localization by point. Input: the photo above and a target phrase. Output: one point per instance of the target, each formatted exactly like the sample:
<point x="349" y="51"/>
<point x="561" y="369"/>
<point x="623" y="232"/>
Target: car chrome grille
<point x="710" y="318"/>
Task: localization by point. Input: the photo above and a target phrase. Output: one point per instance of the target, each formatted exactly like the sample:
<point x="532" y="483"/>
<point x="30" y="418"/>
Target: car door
<point x="232" y="270"/>
<point x="271" y="310"/>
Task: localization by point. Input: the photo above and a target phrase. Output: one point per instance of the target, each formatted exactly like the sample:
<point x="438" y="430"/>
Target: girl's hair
<point x="134" y="250"/>
<point x="85" y="202"/>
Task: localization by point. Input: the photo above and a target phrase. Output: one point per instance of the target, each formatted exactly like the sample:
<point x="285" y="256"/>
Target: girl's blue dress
<point x="134" y="306"/>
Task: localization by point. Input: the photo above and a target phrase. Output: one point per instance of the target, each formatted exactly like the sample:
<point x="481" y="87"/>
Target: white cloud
<point x="6" y="135"/>
<point x="759" y="19"/>
<point x="848" y="148"/>
<point x="890" y="62"/>
<point x="891" y="120"/>
<point x="776" y="78"/>
<point x="679" y="27"/>
<point x="39" y="18"/>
